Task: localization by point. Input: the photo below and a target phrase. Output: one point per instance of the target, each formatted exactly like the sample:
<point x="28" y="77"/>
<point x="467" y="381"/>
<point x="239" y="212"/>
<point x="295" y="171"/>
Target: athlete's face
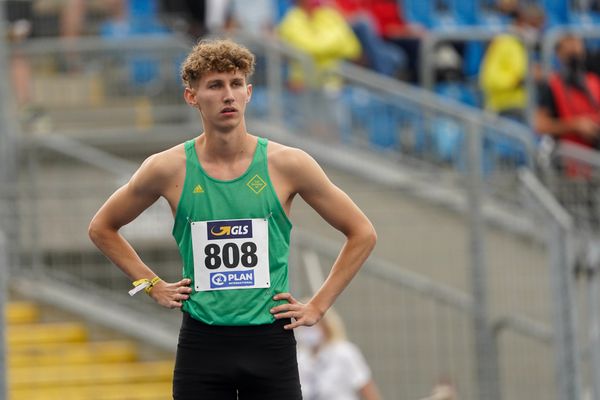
<point x="221" y="97"/>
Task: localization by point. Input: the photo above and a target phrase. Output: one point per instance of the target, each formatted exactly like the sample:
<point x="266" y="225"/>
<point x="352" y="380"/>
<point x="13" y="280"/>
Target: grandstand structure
<point x="485" y="274"/>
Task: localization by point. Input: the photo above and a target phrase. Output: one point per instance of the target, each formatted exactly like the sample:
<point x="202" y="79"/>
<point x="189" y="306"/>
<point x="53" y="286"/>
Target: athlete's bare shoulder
<point x="159" y="170"/>
<point x="167" y="161"/>
<point x="296" y="168"/>
<point x="285" y="158"/>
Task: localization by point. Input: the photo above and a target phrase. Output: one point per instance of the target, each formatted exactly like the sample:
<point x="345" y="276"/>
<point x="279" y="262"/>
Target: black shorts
<point x="235" y="362"/>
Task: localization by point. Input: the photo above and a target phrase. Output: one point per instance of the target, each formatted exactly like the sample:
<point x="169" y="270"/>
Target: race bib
<point x="231" y="254"/>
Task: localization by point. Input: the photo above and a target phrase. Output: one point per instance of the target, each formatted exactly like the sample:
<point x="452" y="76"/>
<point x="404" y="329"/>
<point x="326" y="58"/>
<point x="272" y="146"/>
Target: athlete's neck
<point x="225" y="147"/>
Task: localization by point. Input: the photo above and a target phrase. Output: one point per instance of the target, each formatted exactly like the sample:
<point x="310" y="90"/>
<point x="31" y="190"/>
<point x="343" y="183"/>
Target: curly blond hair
<point x="216" y="56"/>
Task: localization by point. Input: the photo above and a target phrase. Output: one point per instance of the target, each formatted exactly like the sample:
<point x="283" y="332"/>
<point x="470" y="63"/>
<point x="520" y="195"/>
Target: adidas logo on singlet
<point x="198" y="189"/>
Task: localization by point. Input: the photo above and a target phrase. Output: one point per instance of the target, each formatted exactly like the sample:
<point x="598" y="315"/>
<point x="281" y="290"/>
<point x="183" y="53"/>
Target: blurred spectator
<point x="255" y="17"/>
<point x="393" y="27"/>
<point x="73" y="16"/>
<point x="19" y="16"/>
<point x="331" y="367"/>
<point x="569" y="111"/>
<point x="197" y="18"/>
<point x="442" y="391"/>
<point x="321" y="31"/>
<point x="504" y="68"/>
<point x="386" y="13"/>
<point x="569" y="103"/>
<point x="381" y="56"/>
<point x="508" y="7"/>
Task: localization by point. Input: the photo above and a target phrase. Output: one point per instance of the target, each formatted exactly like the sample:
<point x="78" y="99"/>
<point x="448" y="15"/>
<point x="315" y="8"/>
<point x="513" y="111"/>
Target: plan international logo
<point x="231" y="278"/>
<point x="240" y="229"/>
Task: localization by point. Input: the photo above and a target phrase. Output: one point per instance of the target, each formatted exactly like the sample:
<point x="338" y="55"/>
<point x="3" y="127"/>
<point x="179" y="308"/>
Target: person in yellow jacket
<point x="322" y="32"/>
<point x="504" y="68"/>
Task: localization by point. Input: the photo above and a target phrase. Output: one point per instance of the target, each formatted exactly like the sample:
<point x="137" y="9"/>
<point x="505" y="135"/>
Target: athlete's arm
<point x="369" y="391"/>
<point x="311" y="183"/>
<point x="126" y="204"/>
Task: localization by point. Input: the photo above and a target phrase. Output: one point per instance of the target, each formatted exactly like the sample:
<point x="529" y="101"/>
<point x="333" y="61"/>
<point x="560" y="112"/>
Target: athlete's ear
<point x="190" y="97"/>
<point x="249" y="89"/>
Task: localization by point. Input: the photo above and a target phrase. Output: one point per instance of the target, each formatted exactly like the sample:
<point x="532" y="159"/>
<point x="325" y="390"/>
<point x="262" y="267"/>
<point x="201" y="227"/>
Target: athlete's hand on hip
<point x="171" y="295"/>
<point x="303" y="314"/>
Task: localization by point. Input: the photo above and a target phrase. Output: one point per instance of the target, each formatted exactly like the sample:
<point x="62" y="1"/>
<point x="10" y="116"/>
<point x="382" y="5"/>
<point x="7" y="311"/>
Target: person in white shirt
<point x="330" y="366"/>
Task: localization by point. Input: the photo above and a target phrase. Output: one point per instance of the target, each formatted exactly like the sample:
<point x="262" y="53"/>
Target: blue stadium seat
<point x="503" y="149"/>
<point x="142" y="69"/>
<point x="557" y="11"/>
<point x="143" y="20"/>
<point x="418" y="12"/>
<point x="448" y="140"/>
<point x="281" y="8"/>
<point x="459" y="91"/>
<point x="451" y="15"/>
<point x="368" y="112"/>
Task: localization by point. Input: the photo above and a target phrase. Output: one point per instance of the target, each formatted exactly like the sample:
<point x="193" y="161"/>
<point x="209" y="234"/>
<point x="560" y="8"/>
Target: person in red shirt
<point x="569" y="102"/>
<point x="569" y="111"/>
<point x="388" y="23"/>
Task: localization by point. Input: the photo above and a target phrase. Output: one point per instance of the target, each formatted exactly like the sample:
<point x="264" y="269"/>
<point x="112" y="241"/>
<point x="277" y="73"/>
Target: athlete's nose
<point x="228" y="98"/>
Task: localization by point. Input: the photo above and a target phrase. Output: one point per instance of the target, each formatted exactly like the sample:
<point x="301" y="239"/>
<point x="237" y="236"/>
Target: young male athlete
<point x="231" y="194"/>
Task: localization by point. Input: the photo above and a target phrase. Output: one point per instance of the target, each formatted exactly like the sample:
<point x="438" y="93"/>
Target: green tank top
<point x="217" y="219"/>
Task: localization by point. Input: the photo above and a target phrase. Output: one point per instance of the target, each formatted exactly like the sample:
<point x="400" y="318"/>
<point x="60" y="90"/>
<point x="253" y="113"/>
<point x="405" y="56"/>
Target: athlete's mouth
<point x="228" y="110"/>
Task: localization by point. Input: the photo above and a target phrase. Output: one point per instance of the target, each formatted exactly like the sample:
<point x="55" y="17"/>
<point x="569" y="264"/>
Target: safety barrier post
<point x="560" y="247"/>
<point x="3" y="301"/>
<point x="486" y="353"/>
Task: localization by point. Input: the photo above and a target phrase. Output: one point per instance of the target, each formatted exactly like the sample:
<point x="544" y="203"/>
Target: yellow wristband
<point x="153" y="282"/>
<point x="144" y="284"/>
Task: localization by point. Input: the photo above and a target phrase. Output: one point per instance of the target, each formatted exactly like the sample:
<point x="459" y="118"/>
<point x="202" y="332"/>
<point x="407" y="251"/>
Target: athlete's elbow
<point x="369" y="237"/>
<point x="96" y="231"/>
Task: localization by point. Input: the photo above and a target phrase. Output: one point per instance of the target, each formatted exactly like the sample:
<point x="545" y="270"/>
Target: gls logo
<point x="239" y="229"/>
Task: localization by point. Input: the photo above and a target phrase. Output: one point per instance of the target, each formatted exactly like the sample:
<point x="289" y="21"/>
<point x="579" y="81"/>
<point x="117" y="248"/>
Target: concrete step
<point x="22" y="312"/>
<point x="55" y="332"/>
<point x="133" y="391"/>
<point x="42" y="354"/>
<point x="57" y="376"/>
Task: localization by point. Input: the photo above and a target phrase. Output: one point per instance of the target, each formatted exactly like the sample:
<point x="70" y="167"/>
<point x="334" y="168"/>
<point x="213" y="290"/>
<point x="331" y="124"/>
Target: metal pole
<point x="593" y="293"/>
<point x="8" y="139"/>
<point x="3" y="300"/>
<point x="275" y="84"/>
<point x="486" y="353"/>
<point x="567" y="371"/>
<point x="8" y="169"/>
<point x="530" y="83"/>
<point x="560" y="247"/>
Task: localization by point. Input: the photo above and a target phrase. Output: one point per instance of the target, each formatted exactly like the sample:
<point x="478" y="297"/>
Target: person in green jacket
<point x="231" y="193"/>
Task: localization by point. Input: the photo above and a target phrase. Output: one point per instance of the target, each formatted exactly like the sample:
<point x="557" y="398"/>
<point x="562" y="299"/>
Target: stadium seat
<point x="448" y="140"/>
<point x="21" y="312"/>
<point x="380" y="119"/>
<point x="418" y="12"/>
<point x="143" y="20"/>
<point x="557" y="11"/>
<point x="54" y="360"/>
<point x="71" y="353"/>
<point x="129" y="391"/>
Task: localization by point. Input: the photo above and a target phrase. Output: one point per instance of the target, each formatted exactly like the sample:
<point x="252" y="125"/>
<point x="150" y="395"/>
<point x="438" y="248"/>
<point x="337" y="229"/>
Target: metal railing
<point x="69" y="267"/>
<point x="4" y="274"/>
<point x="116" y="88"/>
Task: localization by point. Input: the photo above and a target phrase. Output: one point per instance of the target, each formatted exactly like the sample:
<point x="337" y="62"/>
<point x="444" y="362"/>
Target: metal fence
<point x="445" y="290"/>
<point x="412" y="317"/>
